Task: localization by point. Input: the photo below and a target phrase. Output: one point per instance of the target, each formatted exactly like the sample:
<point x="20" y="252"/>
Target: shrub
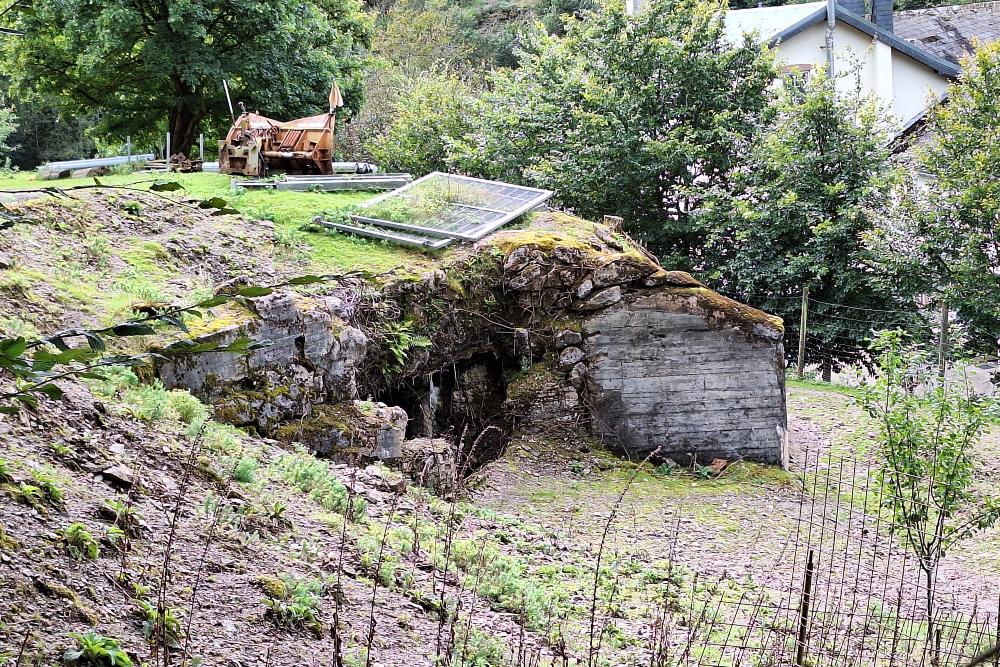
<point x="433" y="111"/>
<point x="97" y="651"/>
<point x="188" y="408"/>
<point x="157" y="627"/>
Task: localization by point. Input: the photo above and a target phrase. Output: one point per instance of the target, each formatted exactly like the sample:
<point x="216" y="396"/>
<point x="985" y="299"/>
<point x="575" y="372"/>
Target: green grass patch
<point x="322" y="251"/>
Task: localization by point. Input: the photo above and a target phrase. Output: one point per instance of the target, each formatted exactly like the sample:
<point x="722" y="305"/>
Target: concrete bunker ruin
<point x="560" y="327"/>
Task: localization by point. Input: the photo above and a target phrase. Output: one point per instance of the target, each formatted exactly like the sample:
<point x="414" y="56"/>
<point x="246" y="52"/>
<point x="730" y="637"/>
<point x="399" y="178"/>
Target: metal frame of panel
<point x="328" y="183"/>
<point x="492" y="218"/>
<point x="400" y="238"/>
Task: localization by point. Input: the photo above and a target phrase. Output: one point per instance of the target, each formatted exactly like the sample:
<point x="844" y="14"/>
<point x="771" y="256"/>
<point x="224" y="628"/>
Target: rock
<point x="6" y="262"/>
<point x="526" y="278"/>
<point x="578" y="374"/>
<point x="119" y="477"/>
<point x="383" y="478"/>
<point x="602" y="299"/>
<point x="567" y="255"/>
<point x="429" y="462"/>
<point x="584" y="288"/>
<point x="672" y="278"/>
<point x="568" y="337"/>
<point x="90" y="172"/>
<point x="521" y="257"/>
<point x="371" y="429"/>
<point x="718" y="465"/>
<point x="570" y="357"/>
<point x="621" y="272"/>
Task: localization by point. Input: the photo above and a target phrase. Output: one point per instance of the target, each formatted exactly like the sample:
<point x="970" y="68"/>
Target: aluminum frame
<point x="480" y="231"/>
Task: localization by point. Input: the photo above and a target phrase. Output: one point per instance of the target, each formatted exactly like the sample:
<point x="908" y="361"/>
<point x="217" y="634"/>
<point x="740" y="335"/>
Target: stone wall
<point x="662" y="376"/>
<point x="562" y="325"/>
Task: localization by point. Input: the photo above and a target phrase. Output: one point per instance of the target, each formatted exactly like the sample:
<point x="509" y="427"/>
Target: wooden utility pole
<point x="802" y="333"/>
<point x="943" y="341"/>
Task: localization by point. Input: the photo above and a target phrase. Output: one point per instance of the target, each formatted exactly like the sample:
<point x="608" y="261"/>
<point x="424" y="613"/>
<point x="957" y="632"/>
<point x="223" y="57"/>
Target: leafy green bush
<point x="6" y="471"/>
<point x="80" y="544"/>
<point x="95" y="650"/>
<point x="429" y="114"/>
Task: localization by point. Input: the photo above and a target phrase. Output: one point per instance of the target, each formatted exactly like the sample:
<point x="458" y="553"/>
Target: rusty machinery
<point x="258" y="146"/>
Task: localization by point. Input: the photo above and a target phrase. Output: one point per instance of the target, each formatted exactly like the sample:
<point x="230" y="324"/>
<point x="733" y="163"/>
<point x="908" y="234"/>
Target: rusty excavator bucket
<point x="259" y="146"/>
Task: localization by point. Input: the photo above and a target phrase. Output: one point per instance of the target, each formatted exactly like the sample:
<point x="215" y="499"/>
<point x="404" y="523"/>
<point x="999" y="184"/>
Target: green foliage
<point x="94" y="650"/>
<point x="161" y="627"/>
<point x="943" y="240"/>
<point x="929" y="428"/>
<point x="797" y="215"/>
<point x="928" y="432"/>
<point x="8" y="125"/>
<point x="50" y="486"/>
<point x="400" y="339"/>
<point x="137" y="63"/>
<point x="429" y="113"/>
<point x="125" y="516"/>
<point x="80" y="544"/>
<point x="6" y="472"/>
<point x="478" y="649"/>
<point x="245" y="470"/>
<point x="314" y="477"/>
<point x="295" y="603"/>
<point x="624" y="115"/>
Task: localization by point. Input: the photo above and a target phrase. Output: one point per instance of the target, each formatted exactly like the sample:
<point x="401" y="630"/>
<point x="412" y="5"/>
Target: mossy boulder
<point x="366" y="428"/>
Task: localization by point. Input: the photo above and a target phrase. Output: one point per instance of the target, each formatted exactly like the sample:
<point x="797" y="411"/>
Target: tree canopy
<point x="798" y="215"/>
<point x="139" y="63"/>
<point x="624" y="115"/>
<point x="957" y="221"/>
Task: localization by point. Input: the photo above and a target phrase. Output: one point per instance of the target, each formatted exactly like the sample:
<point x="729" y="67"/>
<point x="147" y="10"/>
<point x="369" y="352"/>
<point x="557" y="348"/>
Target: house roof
<point x="949" y="32"/>
<point x="777" y="24"/>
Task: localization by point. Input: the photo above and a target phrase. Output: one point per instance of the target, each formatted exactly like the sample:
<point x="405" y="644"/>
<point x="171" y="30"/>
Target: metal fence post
<point x="803" y="636"/>
<point x="166" y="155"/>
<point x="802" y="333"/>
<point x="128" y="148"/>
<point x="201" y="146"/>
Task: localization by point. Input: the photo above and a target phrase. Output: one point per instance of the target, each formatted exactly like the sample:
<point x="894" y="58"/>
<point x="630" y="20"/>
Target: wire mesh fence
<point x="855" y="593"/>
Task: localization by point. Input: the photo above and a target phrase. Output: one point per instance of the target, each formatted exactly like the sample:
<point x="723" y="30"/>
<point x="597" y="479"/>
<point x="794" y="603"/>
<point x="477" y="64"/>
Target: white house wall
<point x="913" y="84"/>
<point x="881" y="68"/>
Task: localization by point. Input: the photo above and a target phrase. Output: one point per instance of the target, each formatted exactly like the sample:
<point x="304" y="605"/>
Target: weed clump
<point x="79" y="542"/>
<point x="94" y="650"/>
<point x="293" y="603"/>
<point x="312" y="476"/>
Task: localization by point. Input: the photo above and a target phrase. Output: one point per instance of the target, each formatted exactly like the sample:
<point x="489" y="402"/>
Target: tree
<point x="624" y="115"/>
<point x="8" y="126"/>
<point x="928" y="432"/>
<point x="138" y="62"/>
<point x="954" y="224"/>
<point x="427" y="116"/>
<point x="798" y="214"/>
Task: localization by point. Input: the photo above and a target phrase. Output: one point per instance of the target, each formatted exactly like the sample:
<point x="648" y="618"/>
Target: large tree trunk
<point x="183" y="131"/>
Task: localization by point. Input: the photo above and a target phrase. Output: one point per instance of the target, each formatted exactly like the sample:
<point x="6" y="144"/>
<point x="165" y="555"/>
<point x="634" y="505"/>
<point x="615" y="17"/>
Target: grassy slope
<point x="326" y="252"/>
